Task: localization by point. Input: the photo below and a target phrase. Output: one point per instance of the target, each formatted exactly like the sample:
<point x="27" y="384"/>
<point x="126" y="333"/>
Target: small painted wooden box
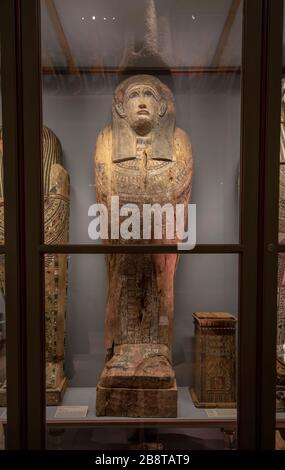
<point x="215" y="360"/>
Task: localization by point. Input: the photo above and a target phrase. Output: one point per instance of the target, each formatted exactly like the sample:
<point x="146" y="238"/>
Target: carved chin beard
<point x="142" y="126"/>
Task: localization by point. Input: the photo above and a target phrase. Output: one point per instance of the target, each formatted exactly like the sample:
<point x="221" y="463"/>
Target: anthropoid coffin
<point x="215" y="360"/>
<point x="142" y="159"/>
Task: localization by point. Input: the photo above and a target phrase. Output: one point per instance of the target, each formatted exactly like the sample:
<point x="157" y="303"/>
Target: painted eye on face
<point x="148" y="94"/>
<point x="133" y="94"/>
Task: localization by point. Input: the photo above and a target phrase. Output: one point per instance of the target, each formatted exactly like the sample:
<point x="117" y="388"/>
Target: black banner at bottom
<point x="127" y="459"/>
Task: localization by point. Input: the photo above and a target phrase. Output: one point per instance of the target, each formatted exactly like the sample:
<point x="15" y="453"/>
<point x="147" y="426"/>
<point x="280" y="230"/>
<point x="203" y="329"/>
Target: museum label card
<point x="71" y="412"/>
<point x="216" y="413"/>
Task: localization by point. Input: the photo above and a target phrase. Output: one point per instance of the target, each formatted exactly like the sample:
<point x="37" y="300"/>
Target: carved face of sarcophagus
<point x="141" y="159"/>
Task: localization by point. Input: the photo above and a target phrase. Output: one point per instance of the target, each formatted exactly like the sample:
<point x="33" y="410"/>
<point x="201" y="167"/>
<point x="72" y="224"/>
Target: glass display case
<point x="87" y="57"/>
<point x="141" y="162"/>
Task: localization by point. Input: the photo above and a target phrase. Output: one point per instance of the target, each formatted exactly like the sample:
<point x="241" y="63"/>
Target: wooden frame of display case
<point x="24" y="248"/>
